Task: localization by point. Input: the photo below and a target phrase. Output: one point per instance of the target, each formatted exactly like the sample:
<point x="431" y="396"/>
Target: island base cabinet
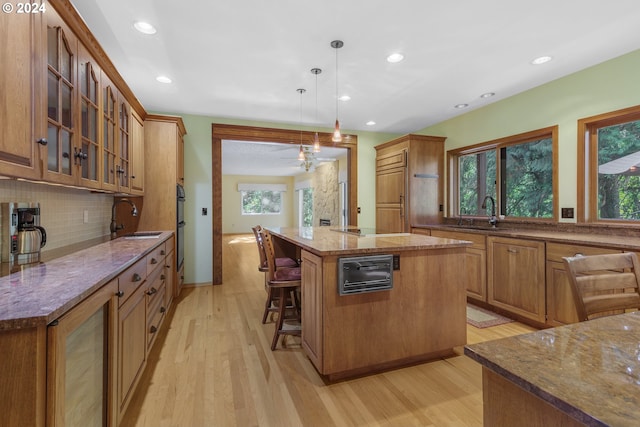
<point x="80" y="373"/>
<point x="506" y="404"/>
<point x="312" y="312"/>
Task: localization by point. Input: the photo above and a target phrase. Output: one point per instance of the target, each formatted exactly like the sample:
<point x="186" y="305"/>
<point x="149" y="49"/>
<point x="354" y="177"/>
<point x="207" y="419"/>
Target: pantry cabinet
<point x="516" y="276"/>
<point x="22" y="136"/>
<point x="409" y="184"/>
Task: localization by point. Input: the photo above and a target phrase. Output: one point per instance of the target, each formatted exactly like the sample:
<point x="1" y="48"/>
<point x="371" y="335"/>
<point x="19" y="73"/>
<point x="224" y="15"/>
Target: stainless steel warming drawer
<point x="365" y="274"/>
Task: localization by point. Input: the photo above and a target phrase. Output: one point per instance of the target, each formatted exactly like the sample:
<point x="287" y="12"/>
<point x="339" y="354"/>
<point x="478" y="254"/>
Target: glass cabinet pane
<point x="52" y="96"/>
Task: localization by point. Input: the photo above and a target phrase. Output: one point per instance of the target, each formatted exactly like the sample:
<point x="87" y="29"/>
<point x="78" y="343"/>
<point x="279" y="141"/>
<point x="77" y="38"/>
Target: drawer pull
<point x="154" y="261"/>
<point x="512" y="251"/>
<point x="162" y="309"/>
<point x="162" y="277"/>
<point x="162" y="252"/>
<point x="578" y="254"/>
<point x="120" y="294"/>
<point x="153" y="329"/>
<point x="136" y="277"/>
<point x="152" y="291"/>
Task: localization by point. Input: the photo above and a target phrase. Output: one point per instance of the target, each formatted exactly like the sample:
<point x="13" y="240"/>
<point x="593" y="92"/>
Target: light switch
<point x="204" y="211"/>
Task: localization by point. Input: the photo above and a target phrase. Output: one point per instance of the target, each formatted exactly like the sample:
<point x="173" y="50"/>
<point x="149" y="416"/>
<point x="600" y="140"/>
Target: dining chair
<point x="283" y="282"/>
<point x="272" y="300"/>
<point x="604" y="284"/>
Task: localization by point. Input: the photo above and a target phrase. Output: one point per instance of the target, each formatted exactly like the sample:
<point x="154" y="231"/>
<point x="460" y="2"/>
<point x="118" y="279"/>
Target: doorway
<point x="225" y="132"/>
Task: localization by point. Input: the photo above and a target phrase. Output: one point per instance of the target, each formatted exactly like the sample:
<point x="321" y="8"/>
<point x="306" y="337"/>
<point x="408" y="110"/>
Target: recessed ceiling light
<point x="345" y="98"/>
<point x="371" y="123"/>
<point x="541" y="60"/>
<point x="163" y="79"/>
<point x="144" y="27"/>
<point x="395" y="57"/>
<point x="461" y="106"/>
<point x="487" y="95"/>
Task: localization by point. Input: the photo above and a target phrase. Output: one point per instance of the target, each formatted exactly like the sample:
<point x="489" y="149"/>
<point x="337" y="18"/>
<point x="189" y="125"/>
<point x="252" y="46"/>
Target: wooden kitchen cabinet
<point x="475" y="262"/>
<point x="164" y="139"/>
<point x="80" y="371"/>
<point x="409" y="184"/>
<point x="137" y="155"/>
<point x="516" y="276"/>
<point x="312" y="294"/>
<point x="20" y="79"/>
<point x="561" y="309"/>
<point x="87" y="155"/>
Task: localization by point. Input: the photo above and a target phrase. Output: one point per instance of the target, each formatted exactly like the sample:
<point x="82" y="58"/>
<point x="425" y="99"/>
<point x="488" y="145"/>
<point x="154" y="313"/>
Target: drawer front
<point x="130" y="280"/>
<point x="556" y="251"/>
<point x="155" y="316"/>
<point x="155" y="283"/>
<point x="156" y="258"/>
<point x="477" y="239"/>
<point x="397" y="159"/>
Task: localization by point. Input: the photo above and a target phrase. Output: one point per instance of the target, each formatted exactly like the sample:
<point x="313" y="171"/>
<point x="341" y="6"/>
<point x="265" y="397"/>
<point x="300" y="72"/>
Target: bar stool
<point x="272" y="297"/>
<point x="285" y="281"/>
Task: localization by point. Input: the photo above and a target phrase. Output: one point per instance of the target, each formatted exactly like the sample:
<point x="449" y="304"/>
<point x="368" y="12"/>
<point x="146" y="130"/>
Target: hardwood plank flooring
<point x="213" y="366"/>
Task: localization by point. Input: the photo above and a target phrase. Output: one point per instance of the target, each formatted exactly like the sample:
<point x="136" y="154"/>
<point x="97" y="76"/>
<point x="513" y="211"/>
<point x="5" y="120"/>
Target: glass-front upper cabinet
<point x="86" y="155"/>
<point x="123" y="166"/>
<point x="62" y="48"/>
<point x="109" y="134"/>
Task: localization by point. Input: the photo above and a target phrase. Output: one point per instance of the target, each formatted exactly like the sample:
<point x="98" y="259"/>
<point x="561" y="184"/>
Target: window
<point x="609" y="161"/>
<point x="307" y="207"/>
<point x="517" y="172"/>
<point x="261" y="199"/>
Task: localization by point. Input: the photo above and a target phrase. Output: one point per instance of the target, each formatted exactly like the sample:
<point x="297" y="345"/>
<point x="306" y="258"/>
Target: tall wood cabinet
<point x="409" y="182"/>
<point x="164" y="147"/>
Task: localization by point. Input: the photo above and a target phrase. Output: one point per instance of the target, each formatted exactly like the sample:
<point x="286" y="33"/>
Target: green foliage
<point x="261" y="202"/>
<point x="307" y="207"/>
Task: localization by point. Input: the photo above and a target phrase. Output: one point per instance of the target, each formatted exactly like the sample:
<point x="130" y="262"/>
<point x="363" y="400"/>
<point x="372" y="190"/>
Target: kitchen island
<point x="581" y="374"/>
<point x="422" y="317"/>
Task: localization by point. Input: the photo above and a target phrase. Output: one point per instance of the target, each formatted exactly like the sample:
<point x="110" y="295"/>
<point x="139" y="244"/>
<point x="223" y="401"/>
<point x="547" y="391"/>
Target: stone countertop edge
<point x="610" y="240"/>
<point x="327" y="242"/>
<point x="38" y="295"/>
<point x="554" y="401"/>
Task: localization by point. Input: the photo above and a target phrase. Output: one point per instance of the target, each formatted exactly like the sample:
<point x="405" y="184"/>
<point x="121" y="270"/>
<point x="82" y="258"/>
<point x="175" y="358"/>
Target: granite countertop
<point x="324" y="241"/>
<point x="41" y="293"/>
<point x="588" y="370"/>
<point x="611" y="240"/>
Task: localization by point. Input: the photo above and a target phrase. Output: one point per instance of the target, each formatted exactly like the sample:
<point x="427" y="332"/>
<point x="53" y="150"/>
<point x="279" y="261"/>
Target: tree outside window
<point x="261" y="202"/>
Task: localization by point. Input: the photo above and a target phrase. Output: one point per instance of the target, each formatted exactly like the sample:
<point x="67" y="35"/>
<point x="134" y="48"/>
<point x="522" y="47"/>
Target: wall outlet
<point x="85" y="216"/>
<point x="567" y="212"/>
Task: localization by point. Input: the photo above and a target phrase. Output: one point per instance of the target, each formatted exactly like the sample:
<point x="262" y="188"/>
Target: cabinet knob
<point x="120" y="294"/>
<point x="162" y="309"/>
<point x="152" y="291"/>
<point x="153" y="329"/>
<point x="162" y="252"/>
<point x="136" y="277"/>
<point x="154" y="261"/>
<point x="162" y="277"/>
<point x="133" y="177"/>
<point x="42" y="141"/>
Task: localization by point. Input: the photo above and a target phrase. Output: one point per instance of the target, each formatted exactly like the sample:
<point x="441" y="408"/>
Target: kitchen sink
<point x="143" y="235"/>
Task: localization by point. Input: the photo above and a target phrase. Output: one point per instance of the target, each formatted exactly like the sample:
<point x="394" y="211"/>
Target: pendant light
<point x="316" y="139"/>
<point x="301" y="155"/>
<point x="337" y="137"/>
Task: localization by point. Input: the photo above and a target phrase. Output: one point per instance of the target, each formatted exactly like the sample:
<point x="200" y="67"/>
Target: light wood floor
<point x="214" y="367"/>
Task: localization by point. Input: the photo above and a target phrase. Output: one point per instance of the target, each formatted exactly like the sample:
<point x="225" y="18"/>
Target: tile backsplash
<point x="62" y="211"/>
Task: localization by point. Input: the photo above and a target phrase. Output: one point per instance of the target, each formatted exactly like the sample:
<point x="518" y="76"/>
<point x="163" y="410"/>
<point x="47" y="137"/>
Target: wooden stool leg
<point x="267" y="305"/>
<point x="281" y="309"/>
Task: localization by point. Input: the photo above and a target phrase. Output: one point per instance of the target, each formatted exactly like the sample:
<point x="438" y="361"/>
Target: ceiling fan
<point x="309" y="160"/>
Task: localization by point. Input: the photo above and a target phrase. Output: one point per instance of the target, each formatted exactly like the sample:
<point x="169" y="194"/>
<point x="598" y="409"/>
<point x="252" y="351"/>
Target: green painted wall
<point x="609" y="86"/>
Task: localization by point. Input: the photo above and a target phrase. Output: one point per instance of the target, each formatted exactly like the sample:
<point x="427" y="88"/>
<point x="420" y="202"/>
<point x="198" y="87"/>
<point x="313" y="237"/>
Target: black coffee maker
<point x="24" y="237"/>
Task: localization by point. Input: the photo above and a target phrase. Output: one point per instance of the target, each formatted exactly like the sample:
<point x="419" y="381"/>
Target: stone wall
<point x="326" y="194"/>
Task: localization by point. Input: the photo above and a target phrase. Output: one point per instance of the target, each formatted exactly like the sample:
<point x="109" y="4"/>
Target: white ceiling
<point x="245" y="59"/>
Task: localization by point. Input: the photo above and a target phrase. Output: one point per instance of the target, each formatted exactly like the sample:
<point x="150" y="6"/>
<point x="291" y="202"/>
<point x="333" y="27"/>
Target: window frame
<point x="453" y="194"/>
<point x="587" y="181"/>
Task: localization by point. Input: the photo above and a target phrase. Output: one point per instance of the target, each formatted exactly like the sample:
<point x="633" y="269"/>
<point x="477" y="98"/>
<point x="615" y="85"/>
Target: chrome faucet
<point x="114" y="227"/>
<point x="492" y="219"/>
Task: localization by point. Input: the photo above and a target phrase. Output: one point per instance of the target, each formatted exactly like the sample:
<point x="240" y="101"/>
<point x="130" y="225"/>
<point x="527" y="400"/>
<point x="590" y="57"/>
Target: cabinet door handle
<point x="153" y="329"/>
<point x="136" y="277"/>
<point x="154" y="261"/>
<point x="42" y="141"/>
<point x="513" y="251"/>
<point x="120" y="294"/>
<point x="152" y="291"/>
